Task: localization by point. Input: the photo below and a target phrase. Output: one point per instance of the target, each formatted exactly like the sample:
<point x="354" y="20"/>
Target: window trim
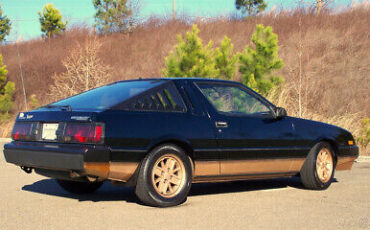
<point x="249" y="91"/>
<point x="188" y="99"/>
<point x="147" y="93"/>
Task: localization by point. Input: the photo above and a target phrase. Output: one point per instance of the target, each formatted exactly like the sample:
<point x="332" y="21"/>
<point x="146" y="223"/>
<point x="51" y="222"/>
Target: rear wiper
<point x="63" y="107"/>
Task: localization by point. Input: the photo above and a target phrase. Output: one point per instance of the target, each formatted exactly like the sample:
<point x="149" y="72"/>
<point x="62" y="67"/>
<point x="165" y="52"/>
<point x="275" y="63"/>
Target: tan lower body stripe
<point x="261" y="166"/>
<point x="123" y="171"/>
<point x="345" y="163"/>
<point x="235" y="167"/>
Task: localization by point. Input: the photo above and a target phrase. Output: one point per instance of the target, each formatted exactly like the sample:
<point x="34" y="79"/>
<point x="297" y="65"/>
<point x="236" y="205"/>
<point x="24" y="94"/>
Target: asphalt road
<point x="30" y="201"/>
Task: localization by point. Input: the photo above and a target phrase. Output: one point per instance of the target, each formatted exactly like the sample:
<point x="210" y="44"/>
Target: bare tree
<point x="321" y="4"/>
<point x="84" y="71"/>
<point x="173" y="10"/>
<point x="134" y="6"/>
<point x="300" y="69"/>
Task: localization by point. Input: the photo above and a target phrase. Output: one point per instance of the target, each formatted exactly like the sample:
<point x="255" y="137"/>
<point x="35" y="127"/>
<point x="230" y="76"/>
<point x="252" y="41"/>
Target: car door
<point x="201" y="133"/>
<point x="251" y="139"/>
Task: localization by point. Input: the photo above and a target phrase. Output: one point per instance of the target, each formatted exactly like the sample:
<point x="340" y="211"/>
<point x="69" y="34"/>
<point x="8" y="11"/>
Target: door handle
<point x="221" y="124"/>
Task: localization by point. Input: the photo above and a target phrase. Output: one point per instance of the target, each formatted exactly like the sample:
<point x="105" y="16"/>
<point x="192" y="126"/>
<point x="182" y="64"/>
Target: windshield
<point x="107" y="96"/>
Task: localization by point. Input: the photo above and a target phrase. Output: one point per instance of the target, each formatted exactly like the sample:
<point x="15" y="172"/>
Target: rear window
<point x="107" y="96"/>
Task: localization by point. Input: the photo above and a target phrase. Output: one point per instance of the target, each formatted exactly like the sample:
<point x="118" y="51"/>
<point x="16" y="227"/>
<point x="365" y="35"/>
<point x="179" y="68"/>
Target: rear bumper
<point x="54" y="156"/>
<point x="50" y="160"/>
<point x="60" y="160"/>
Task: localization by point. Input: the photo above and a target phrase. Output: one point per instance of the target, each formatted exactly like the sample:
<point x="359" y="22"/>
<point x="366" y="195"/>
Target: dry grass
<point x="335" y="58"/>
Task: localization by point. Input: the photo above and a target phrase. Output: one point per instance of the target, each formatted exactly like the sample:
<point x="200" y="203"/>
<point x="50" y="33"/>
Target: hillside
<point x="334" y="69"/>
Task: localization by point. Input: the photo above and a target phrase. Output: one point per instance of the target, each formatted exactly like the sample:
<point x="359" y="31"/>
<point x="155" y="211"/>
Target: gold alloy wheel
<point x="168" y="176"/>
<point x="324" y="165"/>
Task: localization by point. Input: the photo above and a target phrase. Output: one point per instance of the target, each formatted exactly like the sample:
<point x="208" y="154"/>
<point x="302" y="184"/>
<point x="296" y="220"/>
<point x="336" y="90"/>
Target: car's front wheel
<point x="318" y="170"/>
<point x="165" y="177"/>
<point x="77" y="187"/>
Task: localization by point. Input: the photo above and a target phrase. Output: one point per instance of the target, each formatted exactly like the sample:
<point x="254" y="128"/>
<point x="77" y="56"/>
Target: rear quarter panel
<point x="132" y="134"/>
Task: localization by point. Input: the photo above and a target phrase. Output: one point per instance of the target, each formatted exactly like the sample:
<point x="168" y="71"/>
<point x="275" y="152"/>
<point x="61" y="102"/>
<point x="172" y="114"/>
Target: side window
<point x="165" y="98"/>
<point x="232" y="99"/>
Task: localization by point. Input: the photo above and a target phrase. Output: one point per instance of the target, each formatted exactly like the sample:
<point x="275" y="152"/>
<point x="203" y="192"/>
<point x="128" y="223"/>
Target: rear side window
<point x="163" y="98"/>
<point x="108" y="96"/>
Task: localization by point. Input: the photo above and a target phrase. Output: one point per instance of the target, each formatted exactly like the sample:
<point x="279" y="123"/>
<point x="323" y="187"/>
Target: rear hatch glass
<point x="107" y="96"/>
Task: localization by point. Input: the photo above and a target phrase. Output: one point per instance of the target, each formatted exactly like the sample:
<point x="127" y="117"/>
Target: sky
<point x="25" y="24"/>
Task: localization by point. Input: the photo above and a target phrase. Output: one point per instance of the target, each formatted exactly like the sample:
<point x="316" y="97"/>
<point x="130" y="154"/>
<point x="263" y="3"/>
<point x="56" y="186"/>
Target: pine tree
<point x="51" y="21"/>
<point x="6" y="92"/>
<point x="250" y="7"/>
<point x="191" y="58"/>
<point x="5" y="26"/>
<point x="225" y="59"/>
<point x="364" y="135"/>
<point x="112" y="16"/>
<point x="258" y="62"/>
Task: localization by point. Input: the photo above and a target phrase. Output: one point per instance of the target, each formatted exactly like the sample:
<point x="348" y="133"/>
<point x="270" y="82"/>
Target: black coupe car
<point x="162" y="135"/>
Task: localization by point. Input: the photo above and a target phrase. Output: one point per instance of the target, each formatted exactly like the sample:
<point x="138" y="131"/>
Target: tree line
<point x="190" y="59"/>
<point x="118" y="15"/>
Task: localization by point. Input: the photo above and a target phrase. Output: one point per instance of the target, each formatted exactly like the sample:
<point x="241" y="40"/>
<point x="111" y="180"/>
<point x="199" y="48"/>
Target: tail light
<point x="87" y="133"/>
<point x="84" y="133"/>
<point x="22" y="131"/>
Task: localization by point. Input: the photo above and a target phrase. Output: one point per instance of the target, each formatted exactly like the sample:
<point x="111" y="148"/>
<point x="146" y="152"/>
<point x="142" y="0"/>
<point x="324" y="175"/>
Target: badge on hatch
<point x="24" y="116"/>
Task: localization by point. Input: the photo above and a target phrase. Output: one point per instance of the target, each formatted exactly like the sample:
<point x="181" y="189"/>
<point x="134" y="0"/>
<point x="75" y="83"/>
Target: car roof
<point x="192" y="79"/>
<point x="179" y="79"/>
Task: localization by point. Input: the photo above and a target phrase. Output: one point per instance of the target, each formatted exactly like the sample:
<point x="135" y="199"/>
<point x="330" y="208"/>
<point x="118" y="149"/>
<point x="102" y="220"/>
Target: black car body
<point x="106" y="133"/>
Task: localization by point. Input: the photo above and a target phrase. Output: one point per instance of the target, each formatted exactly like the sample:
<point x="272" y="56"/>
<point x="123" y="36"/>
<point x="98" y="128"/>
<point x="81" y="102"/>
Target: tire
<point x="77" y="187"/>
<point x="318" y="170"/>
<point x="165" y="177"/>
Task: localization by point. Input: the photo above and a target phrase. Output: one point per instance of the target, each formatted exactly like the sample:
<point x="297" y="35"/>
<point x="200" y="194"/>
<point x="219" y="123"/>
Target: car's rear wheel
<point x="165" y="177"/>
<point x="318" y="170"/>
<point x="77" y="187"/>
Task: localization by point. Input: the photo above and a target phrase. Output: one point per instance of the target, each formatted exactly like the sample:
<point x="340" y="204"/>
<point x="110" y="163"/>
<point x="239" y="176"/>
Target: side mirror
<point x="280" y="112"/>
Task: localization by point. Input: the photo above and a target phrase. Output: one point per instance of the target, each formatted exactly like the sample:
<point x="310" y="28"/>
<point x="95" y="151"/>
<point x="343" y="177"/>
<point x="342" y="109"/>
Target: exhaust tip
<point x="26" y="169"/>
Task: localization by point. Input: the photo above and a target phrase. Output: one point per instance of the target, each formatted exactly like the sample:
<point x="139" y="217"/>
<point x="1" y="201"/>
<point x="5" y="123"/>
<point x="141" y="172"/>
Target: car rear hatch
<point x="57" y="139"/>
<point x="60" y="126"/>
